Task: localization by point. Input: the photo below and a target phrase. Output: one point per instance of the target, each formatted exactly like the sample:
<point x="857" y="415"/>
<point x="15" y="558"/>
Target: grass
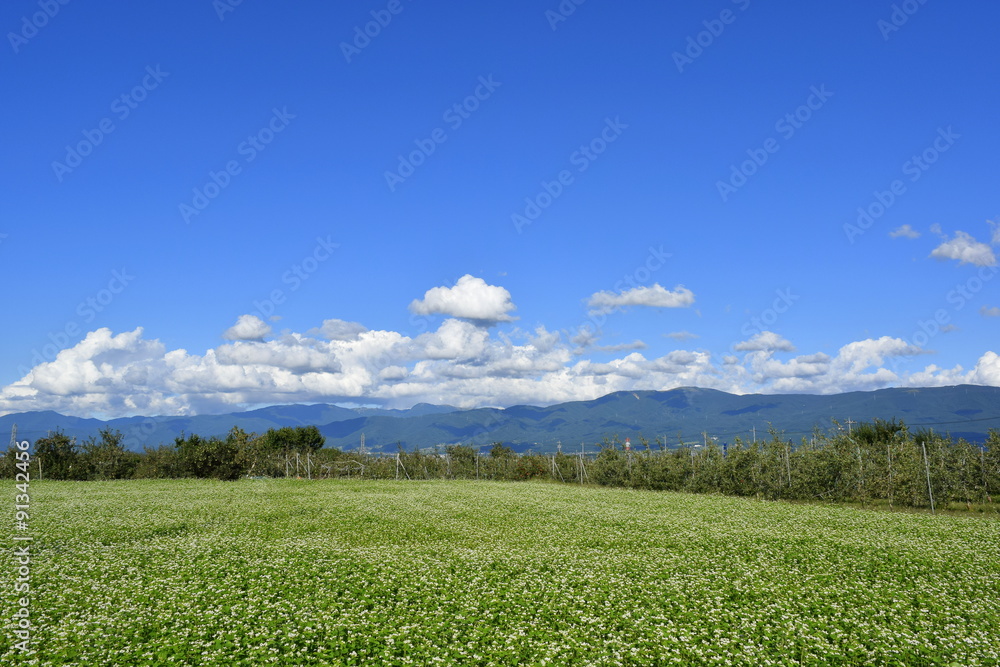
<point x="193" y="572"/>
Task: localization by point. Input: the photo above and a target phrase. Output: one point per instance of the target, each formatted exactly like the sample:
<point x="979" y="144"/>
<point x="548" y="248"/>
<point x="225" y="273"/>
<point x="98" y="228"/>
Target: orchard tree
<point x="58" y="455"/>
<point x="106" y="458"/>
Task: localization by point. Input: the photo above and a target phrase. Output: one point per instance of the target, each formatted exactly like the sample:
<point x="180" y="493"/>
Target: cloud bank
<point x="467" y="361"/>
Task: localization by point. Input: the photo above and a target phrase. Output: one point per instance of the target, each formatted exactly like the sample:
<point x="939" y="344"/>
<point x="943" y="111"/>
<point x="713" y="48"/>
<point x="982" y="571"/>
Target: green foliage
<point x="212" y="457"/>
<point x="163" y="462"/>
<point x="58" y="454"/>
<point x="105" y="457"/>
<point x="291" y="439"/>
<point x="500" y="451"/>
<point x="882" y="462"/>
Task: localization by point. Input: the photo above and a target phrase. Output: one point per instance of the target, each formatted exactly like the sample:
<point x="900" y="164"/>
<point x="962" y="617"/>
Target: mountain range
<point x="685" y="415"/>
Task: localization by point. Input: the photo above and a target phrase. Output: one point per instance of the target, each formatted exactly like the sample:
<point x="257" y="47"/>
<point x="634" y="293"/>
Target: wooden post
<point x="982" y="467"/>
<point x="927" y="469"/>
<point x="888" y="456"/>
<point x="861" y="470"/>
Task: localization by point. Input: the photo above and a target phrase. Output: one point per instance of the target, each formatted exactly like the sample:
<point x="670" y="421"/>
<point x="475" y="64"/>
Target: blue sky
<point x="209" y="206"/>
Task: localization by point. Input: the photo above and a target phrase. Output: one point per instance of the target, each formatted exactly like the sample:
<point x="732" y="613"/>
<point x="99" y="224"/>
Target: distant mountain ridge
<point x="687" y="414"/>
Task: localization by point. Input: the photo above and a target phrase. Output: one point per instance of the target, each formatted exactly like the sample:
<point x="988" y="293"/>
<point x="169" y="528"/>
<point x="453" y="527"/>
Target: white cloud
<point x="995" y="226"/>
<point x="621" y="347"/>
<point x="989" y="312"/>
<point x="966" y="250"/>
<point x="681" y="335"/>
<point x="654" y="297"/>
<point x="460" y="363"/>
<point x="863" y="354"/>
<point x="584" y="337"/>
<point x="247" y="327"/>
<point x="339" y="330"/>
<point x="765" y="340"/>
<point x="905" y="232"/>
<point x="806" y="366"/>
<point x="471" y="298"/>
<point x="987" y="370"/>
<point x="294" y="354"/>
<point x="454" y="339"/>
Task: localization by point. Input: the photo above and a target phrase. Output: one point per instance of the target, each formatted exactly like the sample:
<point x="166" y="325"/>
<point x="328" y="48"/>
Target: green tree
<point x="501" y="451"/>
<point x="292" y="439"/>
<point x="209" y="457"/>
<point x="106" y="458"/>
<point x="162" y="462"/>
<point x="58" y="455"/>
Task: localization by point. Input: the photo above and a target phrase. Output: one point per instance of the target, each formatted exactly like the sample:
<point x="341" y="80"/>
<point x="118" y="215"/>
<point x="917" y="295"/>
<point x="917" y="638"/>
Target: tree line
<point x="881" y="461"/>
<point x="104" y="457"/>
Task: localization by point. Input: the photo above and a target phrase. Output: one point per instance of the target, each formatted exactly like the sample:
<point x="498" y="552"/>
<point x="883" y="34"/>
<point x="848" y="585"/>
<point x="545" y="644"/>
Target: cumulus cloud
<point x="604" y="302"/>
<point x="584" y="337"/>
<point x="339" y="330"/>
<point x="806" y="366"/>
<point x="294" y="354"/>
<point x="989" y="312"/>
<point x="765" y="341"/>
<point x="873" y="352"/>
<point x="247" y="327"/>
<point x="454" y="339"/>
<point x="987" y="370"/>
<point x="965" y="249"/>
<point x="905" y="232"/>
<point x="460" y="363"/>
<point x="471" y="298"/>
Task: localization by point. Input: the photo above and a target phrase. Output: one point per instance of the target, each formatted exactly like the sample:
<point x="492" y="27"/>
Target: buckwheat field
<point x="293" y="572"/>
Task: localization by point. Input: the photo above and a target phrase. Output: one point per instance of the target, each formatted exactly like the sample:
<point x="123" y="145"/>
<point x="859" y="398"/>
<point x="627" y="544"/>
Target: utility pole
<point x="849" y="424"/>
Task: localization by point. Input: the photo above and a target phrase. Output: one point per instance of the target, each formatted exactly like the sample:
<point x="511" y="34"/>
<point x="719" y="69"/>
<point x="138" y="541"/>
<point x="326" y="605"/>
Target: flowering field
<point x="479" y="573"/>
